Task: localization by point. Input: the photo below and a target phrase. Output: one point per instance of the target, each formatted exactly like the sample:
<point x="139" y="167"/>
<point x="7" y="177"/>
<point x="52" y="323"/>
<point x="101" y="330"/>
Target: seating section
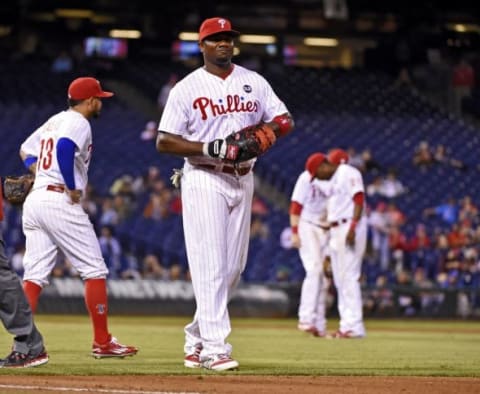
<point x="331" y="107"/>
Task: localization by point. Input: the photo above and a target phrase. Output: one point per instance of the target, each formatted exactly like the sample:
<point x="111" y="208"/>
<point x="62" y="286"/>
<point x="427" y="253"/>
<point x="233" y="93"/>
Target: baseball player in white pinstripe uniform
<point x="308" y="221"/>
<point x="202" y="109"/>
<point x="59" y="153"/>
<point x="348" y="238"/>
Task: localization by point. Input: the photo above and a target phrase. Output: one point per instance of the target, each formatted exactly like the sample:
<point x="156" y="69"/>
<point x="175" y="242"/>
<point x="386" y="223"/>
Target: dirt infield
<point x="237" y="384"/>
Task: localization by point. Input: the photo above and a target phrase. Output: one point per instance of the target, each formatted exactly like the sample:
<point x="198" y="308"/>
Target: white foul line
<point x="93" y="390"/>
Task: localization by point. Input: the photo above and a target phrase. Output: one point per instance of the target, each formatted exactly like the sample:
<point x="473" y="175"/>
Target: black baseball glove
<point x="16" y="188"/>
<point x="244" y="144"/>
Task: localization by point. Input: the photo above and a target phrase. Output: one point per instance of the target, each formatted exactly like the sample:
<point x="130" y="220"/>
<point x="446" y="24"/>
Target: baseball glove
<point x="250" y="142"/>
<point x="16" y="188"/>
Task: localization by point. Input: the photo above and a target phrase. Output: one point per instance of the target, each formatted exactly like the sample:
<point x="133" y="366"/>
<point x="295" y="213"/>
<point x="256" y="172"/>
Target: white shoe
<point x="220" y="362"/>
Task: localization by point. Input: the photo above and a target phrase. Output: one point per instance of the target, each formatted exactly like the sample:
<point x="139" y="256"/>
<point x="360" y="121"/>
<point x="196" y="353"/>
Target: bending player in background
<point x="59" y="152"/>
<point x="308" y="220"/>
<point x="28" y="349"/>
<point x="348" y="238"/>
<point x="201" y="111"/>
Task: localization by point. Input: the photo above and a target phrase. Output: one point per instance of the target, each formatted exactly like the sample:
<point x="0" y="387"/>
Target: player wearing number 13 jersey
<point x="59" y="154"/>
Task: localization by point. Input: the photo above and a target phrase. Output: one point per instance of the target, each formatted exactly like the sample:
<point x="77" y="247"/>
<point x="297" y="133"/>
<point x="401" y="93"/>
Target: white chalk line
<point x="92" y="390"/>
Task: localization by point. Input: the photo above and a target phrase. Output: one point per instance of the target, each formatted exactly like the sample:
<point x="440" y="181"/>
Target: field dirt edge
<point x="226" y="383"/>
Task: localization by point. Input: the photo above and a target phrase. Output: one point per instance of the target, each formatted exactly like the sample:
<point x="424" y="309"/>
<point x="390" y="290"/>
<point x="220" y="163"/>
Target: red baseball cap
<point x="313" y="162"/>
<point x="86" y="87"/>
<point x="338" y="156"/>
<point x="216" y="25"/>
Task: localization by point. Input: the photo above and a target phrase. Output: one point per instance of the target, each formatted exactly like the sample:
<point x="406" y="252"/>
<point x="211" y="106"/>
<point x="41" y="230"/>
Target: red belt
<point x="227" y="169"/>
<point x="339" y="222"/>
<point x="56" y="188"/>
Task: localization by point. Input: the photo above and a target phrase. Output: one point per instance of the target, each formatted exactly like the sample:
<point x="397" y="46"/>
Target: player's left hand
<point x="16" y="188"/>
<point x="252" y="141"/>
<point x="296" y="243"/>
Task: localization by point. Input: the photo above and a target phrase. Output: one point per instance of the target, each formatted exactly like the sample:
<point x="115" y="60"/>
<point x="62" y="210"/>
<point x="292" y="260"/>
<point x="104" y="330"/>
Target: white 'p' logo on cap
<point x="222" y="23"/>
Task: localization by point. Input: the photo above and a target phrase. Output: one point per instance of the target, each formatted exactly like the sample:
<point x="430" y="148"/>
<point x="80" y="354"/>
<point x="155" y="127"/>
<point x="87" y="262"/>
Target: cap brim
<point x="104" y="94"/>
<point x="233" y="33"/>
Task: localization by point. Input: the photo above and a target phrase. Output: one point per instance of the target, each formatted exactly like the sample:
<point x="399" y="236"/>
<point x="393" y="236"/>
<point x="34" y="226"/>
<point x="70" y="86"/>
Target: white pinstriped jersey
<point x="313" y="197"/>
<point x="203" y="107"/>
<point x="345" y="183"/>
<point x="42" y="143"/>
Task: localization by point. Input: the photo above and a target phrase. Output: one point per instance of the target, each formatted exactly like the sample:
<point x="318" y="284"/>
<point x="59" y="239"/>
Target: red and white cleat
<point x="113" y="349"/>
<point x="193" y="360"/>
<point x="346" y="335"/>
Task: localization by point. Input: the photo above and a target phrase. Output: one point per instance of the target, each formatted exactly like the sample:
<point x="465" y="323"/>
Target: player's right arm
<point x="296" y="205"/>
<point x="177" y="145"/>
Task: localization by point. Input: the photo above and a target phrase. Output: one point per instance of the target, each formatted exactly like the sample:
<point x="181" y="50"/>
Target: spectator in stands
<point x="109" y="216"/>
<point x="129" y="266"/>
<point x="175" y="272"/>
<point x="89" y="205"/>
<point x="423" y="156"/>
<point x="453" y="262"/>
<point x="152" y="268"/>
<point x="447" y="211"/>
<point x="407" y="297"/>
<point x="259" y="207"/>
<point x="175" y="202"/>
<point x="375" y="187"/>
<point x="147" y="181"/>
<point x="441" y="156"/>
<point x="395" y="216"/>
<point x="391" y="186"/>
<point x="123" y="206"/>
<point x="379" y="223"/>
<point x="420" y="239"/>
<point x="430" y="301"/>
<point x="457" y="237"/>
<point x="419" y="248"/>
<point x="463" y="81"/>
<point x="370" y="164"/>
<point x="123" y="186"/>
<point x="111" y="251"/>
<point x="165" y="91"/>
<point x="150" y="131"/>
<point x="468" y="210"/>
<point x="399" y="246"/>
<point x="282" y="273"/>
<point x="259" y="229"/>
<point x="159" y="203"/>
<point x="380" y="299"/>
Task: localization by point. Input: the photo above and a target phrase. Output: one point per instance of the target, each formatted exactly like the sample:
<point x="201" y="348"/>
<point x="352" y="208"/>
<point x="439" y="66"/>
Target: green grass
<point x="266" y="347"/>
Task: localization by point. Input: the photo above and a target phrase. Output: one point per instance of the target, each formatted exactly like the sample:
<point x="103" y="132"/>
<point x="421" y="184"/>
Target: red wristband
<point x="295" y="229"/>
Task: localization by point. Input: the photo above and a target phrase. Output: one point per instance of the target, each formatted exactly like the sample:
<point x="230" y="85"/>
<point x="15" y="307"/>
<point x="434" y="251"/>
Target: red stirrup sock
<point x="32" y="292"/>
<point x="96" y="303"/>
